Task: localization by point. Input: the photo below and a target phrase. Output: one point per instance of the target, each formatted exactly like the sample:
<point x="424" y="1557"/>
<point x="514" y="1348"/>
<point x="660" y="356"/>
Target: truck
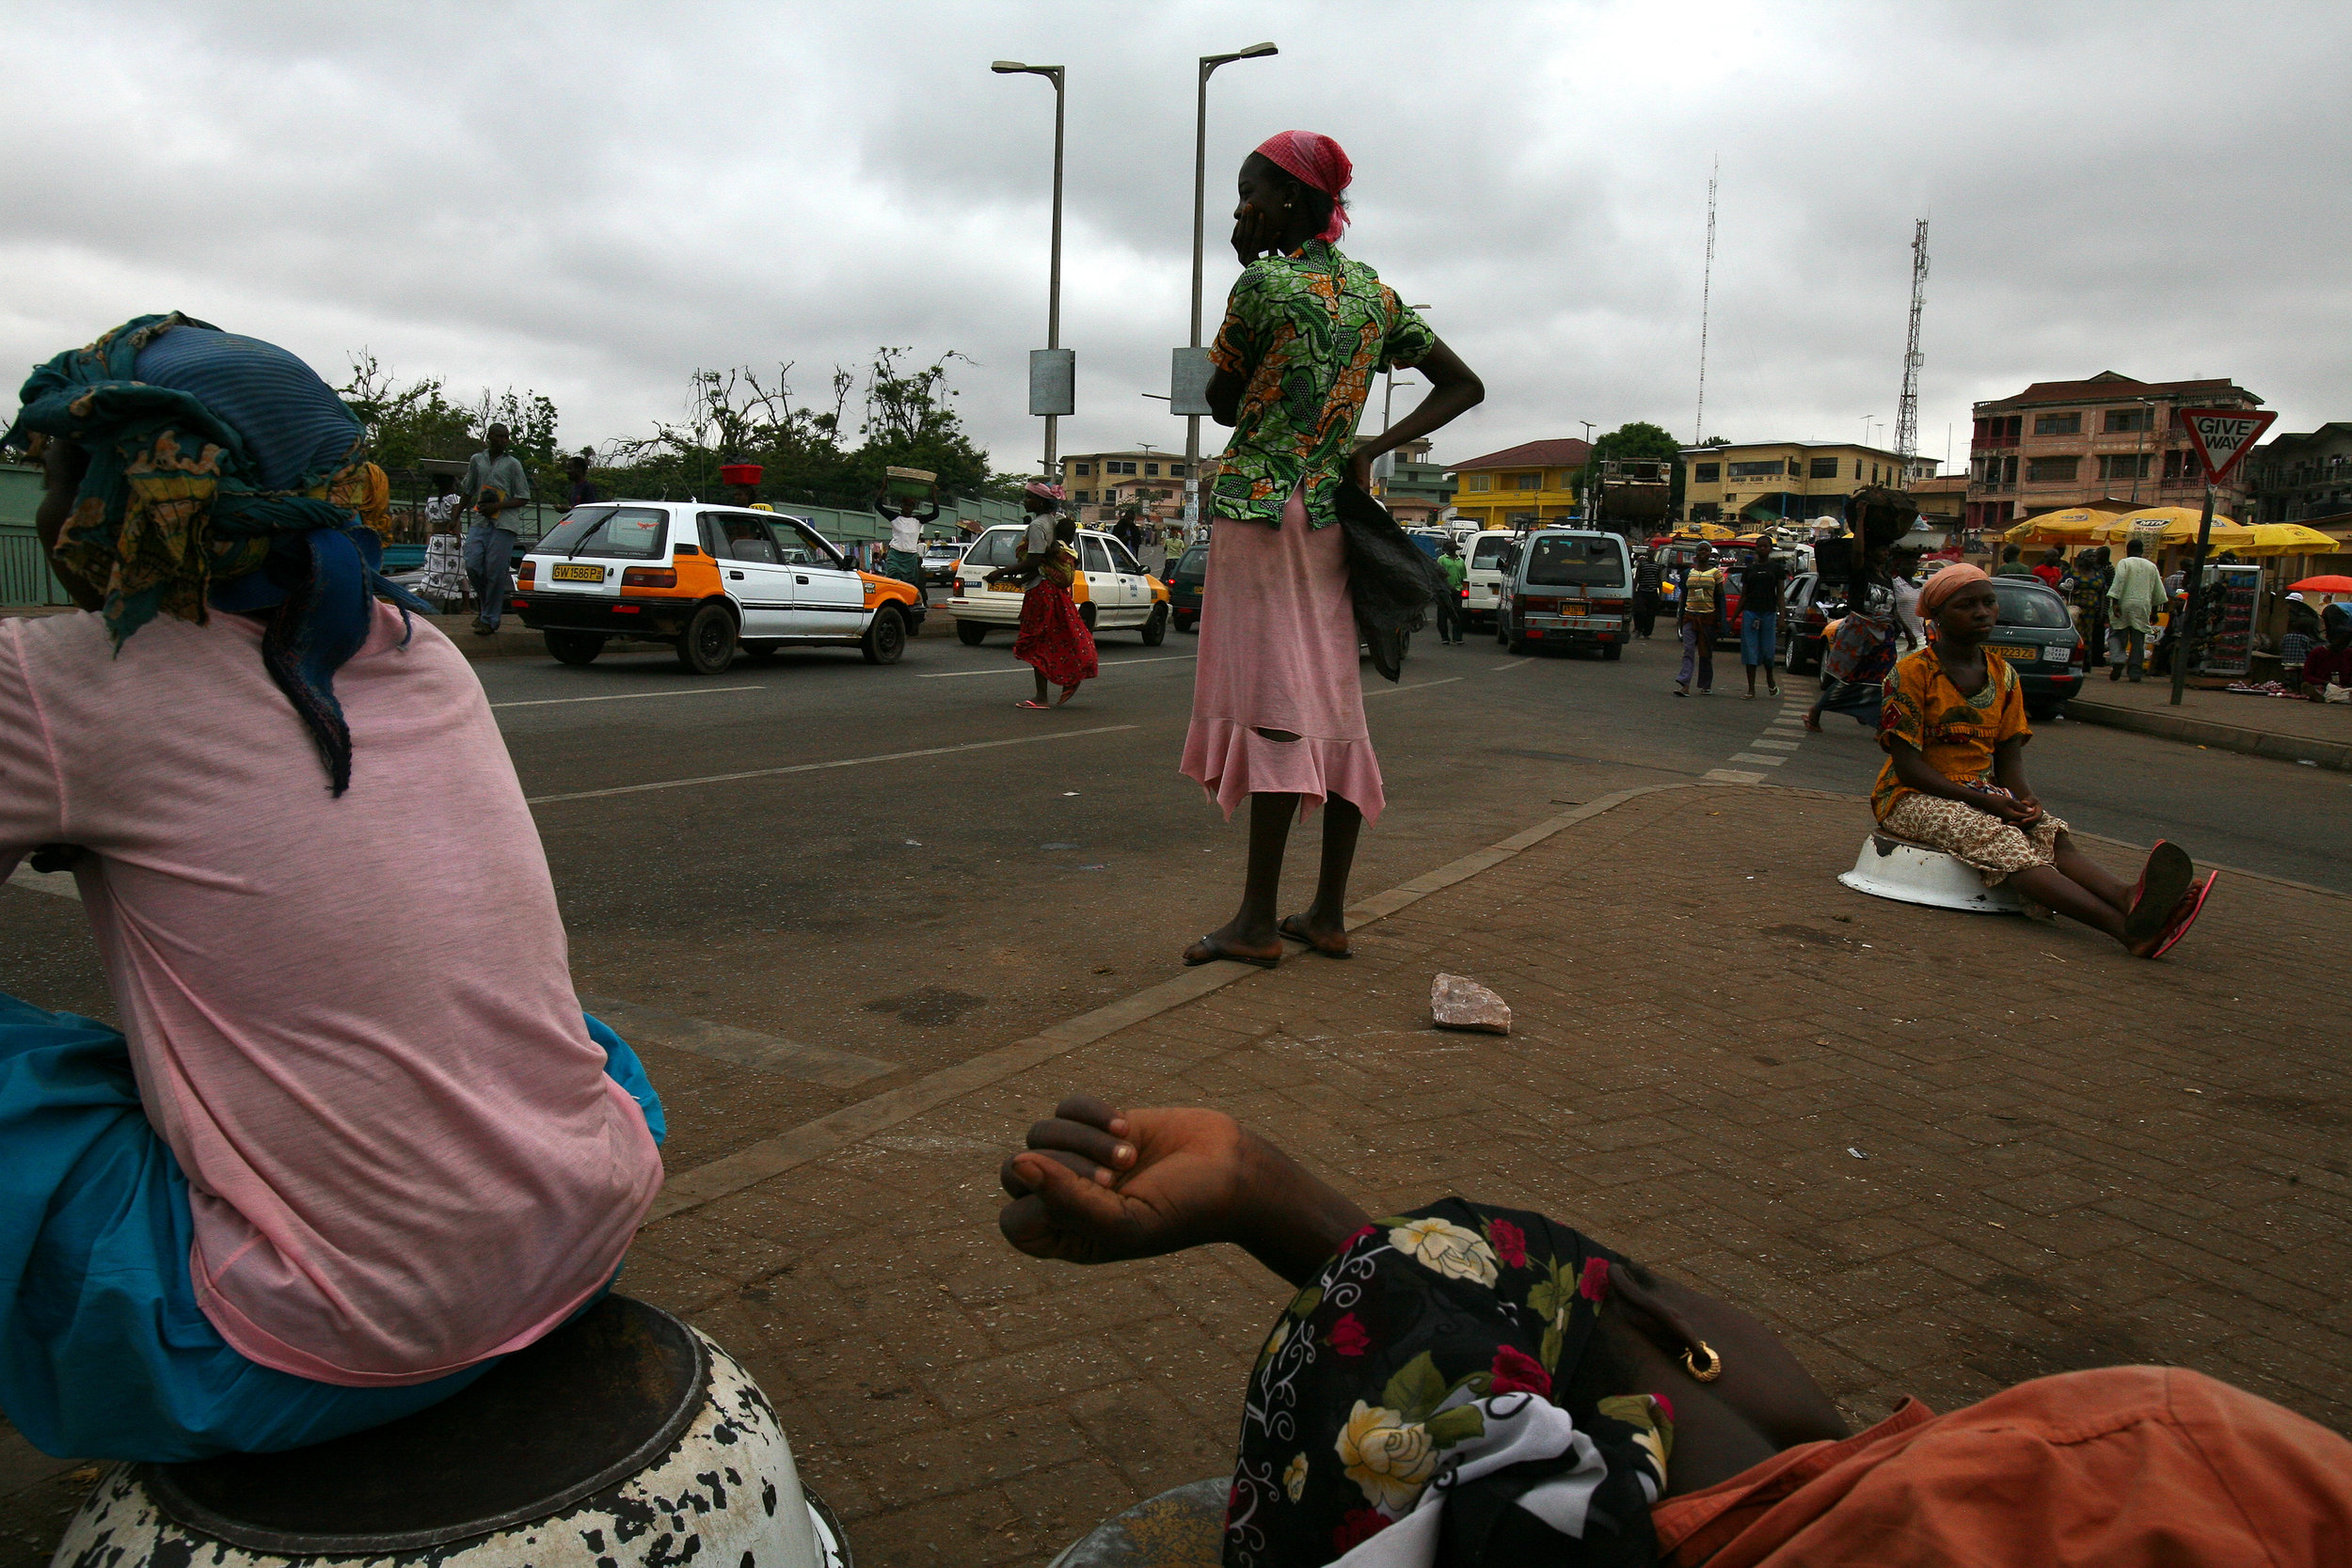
<point x="1635" y="496"/>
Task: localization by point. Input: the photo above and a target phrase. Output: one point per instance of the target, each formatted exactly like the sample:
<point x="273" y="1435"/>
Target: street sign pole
<point x="2222" y="436"/>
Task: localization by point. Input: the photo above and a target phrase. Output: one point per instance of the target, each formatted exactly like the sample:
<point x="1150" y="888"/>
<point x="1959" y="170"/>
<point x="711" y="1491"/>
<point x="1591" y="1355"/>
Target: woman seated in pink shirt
<point x="1485" y="1388"/>
<point x="297" y="1194"/>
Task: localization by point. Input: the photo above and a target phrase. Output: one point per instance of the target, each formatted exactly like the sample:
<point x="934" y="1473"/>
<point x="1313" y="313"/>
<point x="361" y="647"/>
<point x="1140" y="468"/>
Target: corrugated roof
<point x="1568" y="452"/>
<point x="2110" y="386"/>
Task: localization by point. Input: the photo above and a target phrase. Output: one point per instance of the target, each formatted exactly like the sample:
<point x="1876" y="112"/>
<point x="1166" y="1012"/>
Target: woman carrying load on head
<point x="903" y="560"/>
<point x="1277" y="713"/>
<point x="1954" y="729"/>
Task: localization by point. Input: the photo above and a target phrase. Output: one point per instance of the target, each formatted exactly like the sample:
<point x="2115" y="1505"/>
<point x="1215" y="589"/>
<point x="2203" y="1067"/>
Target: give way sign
<point x="2222" y="436"/>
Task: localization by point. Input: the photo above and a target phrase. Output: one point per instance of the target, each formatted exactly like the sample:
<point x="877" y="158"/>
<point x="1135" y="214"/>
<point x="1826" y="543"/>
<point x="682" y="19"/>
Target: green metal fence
<point x="24" y="575"/>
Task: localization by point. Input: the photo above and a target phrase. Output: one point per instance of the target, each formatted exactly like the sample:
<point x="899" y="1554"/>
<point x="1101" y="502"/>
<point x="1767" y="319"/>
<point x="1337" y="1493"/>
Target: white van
<point x="1486" y="561"/>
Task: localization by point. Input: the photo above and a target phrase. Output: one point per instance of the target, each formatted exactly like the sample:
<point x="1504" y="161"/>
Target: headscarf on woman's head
<point x="1948" y="582"/>
<point x="1320" y="162"/>
<point x="213" y="459"/>
<point x="1044" y="491"/>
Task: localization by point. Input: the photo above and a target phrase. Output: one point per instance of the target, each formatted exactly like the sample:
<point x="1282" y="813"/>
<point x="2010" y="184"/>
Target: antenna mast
<point x="1707" y="291"/>
<point x="1907" y="411"/>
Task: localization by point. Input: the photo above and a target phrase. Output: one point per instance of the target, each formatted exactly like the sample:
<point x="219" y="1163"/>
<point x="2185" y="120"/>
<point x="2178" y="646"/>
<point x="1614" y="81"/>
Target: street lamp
<point x="1589" y="466"/>
<point x="2139" y="452"/>
<point x="1053" y="290"/>
<point x="1200" y="221"/>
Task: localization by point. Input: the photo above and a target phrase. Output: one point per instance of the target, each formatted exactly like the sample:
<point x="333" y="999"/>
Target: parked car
<point x="2035" y="635"/>
<point x="1112" y="591"/>
<point x="708" y="580"/>
<point x="939" y="561"/>
<point x="1183" y="586"/>
<point x="1805" y="621"/>
<point x="1485" y="565"/>
<point x="1569" y="588"/>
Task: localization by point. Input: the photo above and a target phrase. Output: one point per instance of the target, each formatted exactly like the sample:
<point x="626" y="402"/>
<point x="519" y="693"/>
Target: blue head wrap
<point x="211" y="457"/>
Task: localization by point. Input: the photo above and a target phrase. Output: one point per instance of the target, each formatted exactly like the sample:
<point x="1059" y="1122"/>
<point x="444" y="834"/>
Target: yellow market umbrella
<point x="2072" y="526"/>
<point x="2171" y="525"/>
<point x="2288" y="539"/>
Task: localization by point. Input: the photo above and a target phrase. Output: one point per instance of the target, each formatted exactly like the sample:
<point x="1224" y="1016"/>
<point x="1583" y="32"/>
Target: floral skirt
<point x="1053" y="638"/>
<point x="1419" y="1385"/>
<point x="1991" y="845"/>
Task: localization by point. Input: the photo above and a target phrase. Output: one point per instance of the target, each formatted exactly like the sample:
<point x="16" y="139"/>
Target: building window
<point x="2180" y="465"/>
<point x="1706" y="512"/>
<point x="1529" y="482"/>
<point x="1118" y="468"/>
<point x="1175" y="470"/>
<point x="1083" y="496"/>
<point x="1481" y="482"/>
<point x="1757" y="470"/>
<point x="1151" y="468"/>
<point x="1824" y="467"/>
<point x="1706" y="473"/>
<point x="2124" y="467"/>
<point x="2122" y="421"/>
<point x="2052" y="470"/>
<point x="1082" y="467"/>
<point x="2058" y="424"/>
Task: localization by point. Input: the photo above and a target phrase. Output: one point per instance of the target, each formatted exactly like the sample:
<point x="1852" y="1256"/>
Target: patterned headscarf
<point x="1420" y="1385"/>
<point x="1044" y="491"/>
<point x="222" y="476"/>
<point x="1320" y="162"/>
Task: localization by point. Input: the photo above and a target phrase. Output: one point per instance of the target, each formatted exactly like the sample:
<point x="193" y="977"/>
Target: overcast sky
<point x="594" y="200"/>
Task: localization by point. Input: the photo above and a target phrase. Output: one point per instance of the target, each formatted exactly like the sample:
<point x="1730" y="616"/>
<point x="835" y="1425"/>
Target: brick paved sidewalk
<point x="1941" y="1152"/>
<point x="2290" y="730"/>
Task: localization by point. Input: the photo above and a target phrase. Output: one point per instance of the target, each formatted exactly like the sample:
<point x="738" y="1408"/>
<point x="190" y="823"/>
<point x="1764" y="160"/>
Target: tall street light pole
<point x="1053" y="288"/>
<point x="1200" y="231"/>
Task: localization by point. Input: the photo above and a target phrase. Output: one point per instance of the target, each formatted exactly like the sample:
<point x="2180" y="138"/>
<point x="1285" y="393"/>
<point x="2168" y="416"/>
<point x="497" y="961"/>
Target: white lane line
<point x="1420" y="685"/>
<point x="821" y="766"/>
<point x="1024" y="670"/>
<point x="1729" y="775"/>
<point x="1758" y="756"/>
<point x="630" y="696"/>
<point x="1513" y="665"/>
<point x="1774" y="745"/>
<point x="59" y="882"/>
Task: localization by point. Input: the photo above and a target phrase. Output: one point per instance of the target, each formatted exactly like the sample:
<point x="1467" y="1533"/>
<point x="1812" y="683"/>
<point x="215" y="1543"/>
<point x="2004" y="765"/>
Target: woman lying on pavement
<point x="355" y="1140"/>
<point x="1471" y="1386"/>
<point x="1954" y="729"/>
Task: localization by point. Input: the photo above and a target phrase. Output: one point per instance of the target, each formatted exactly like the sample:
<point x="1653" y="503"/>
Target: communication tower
<point x="1707" y="290"/>
<point x="1907" y="411"/>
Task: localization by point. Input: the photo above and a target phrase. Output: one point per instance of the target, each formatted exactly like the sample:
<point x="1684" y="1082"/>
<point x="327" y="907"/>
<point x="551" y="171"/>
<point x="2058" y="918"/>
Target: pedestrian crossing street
<point x="1784" y="734"/>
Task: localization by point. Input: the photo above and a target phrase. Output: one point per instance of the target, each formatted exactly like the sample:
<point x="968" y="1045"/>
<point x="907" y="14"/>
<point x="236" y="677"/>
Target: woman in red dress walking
<point x="1052" y="640"/>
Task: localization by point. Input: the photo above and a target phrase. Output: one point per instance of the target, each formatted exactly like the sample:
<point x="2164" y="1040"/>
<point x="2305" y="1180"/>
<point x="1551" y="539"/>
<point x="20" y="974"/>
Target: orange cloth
<point x="2121" y="1468"/>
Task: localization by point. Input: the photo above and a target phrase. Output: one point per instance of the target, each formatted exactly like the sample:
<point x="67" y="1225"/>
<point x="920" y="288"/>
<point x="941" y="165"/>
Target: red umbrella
<point x="2333" y="583"/>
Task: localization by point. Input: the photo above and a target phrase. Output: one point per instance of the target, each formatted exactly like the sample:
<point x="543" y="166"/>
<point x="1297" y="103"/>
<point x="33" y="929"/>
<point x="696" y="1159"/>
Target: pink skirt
<point x="1278" y="652"/>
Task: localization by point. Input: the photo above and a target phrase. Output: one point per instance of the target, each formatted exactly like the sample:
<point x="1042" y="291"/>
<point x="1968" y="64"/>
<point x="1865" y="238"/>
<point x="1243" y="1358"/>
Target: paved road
<point x="899" y="868"/>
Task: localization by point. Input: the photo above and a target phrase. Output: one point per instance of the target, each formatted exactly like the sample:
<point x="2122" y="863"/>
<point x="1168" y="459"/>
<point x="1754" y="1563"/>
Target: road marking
<point x="59" y="882"/>
<point x="819" y="766"/>
<point x="1421" y="686"/>
<point x="630" y="696"/>
<point x="1729" y="775"/>
<point x="1024" y="670"/>
<point x="1513" y="665"/>
<point x="814" y="1064"/>
<point x="1775" y="745"/>
<point x="1758" y="756"/>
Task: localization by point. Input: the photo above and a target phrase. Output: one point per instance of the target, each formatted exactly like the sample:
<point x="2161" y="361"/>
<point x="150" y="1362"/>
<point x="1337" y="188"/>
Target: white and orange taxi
<point x="710" y="580"/>
<point x="1112" y="591"/>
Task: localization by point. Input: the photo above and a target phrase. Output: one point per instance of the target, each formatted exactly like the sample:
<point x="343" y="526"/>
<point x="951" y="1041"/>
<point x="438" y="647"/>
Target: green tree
<point x="1643" y="442"/>
<point x="407" y="422"/>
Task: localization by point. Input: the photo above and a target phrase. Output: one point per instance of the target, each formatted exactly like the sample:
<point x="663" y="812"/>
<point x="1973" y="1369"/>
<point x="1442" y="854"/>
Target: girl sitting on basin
<point x="1954" y="729"/>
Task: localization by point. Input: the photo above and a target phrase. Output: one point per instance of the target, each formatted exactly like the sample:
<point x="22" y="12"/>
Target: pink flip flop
<point x="1031" y="702"/>
<point x="2178" y="927"/>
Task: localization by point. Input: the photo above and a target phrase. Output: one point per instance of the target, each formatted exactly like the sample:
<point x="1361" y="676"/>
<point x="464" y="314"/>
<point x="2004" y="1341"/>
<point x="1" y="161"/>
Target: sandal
<point x="1208" y="950"/>
<point x="1030" y="702"/>
<point x="1295" y="927"/>
<point x="2163" y="881"/>
<point x="2183" y="917"/>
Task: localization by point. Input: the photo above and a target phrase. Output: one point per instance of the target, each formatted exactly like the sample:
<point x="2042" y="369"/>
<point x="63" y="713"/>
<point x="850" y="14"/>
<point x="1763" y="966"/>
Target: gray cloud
<point x="593" y="200"/>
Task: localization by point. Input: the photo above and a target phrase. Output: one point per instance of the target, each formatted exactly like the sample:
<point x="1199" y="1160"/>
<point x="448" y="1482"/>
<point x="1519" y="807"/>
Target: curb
<point x="2335" y="754"/>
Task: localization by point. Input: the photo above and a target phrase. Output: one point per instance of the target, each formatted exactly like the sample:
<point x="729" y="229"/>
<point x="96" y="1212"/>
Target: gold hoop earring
<point x="1715" y="1363"/>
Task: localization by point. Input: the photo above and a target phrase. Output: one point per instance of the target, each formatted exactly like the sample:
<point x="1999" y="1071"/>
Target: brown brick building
<point x="2110" y="438"/>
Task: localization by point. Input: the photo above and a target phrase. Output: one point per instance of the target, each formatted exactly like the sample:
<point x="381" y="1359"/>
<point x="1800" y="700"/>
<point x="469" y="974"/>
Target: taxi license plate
<point x="2015" y="654"/>
<point x="1004" y="588"/>
<point x="578" y="574"/>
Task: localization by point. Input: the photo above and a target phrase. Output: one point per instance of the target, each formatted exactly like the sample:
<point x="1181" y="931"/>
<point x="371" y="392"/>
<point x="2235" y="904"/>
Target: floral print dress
<point x="1417" y="1384"/>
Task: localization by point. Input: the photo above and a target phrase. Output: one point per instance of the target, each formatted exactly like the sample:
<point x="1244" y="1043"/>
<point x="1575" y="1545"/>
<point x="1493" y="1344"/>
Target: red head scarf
<point x="1317" y="160"/>
<point x="1044" y="491"/>
<point x="1946" y="583"/>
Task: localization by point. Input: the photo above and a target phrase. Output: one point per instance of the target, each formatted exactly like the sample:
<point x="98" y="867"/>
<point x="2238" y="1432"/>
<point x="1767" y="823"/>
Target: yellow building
<point x="1768" y="481"/>
<point x="1520" y="487"/>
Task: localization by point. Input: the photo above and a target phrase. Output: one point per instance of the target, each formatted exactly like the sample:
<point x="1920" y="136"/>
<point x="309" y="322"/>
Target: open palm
<point x="1097" y="1185"/>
